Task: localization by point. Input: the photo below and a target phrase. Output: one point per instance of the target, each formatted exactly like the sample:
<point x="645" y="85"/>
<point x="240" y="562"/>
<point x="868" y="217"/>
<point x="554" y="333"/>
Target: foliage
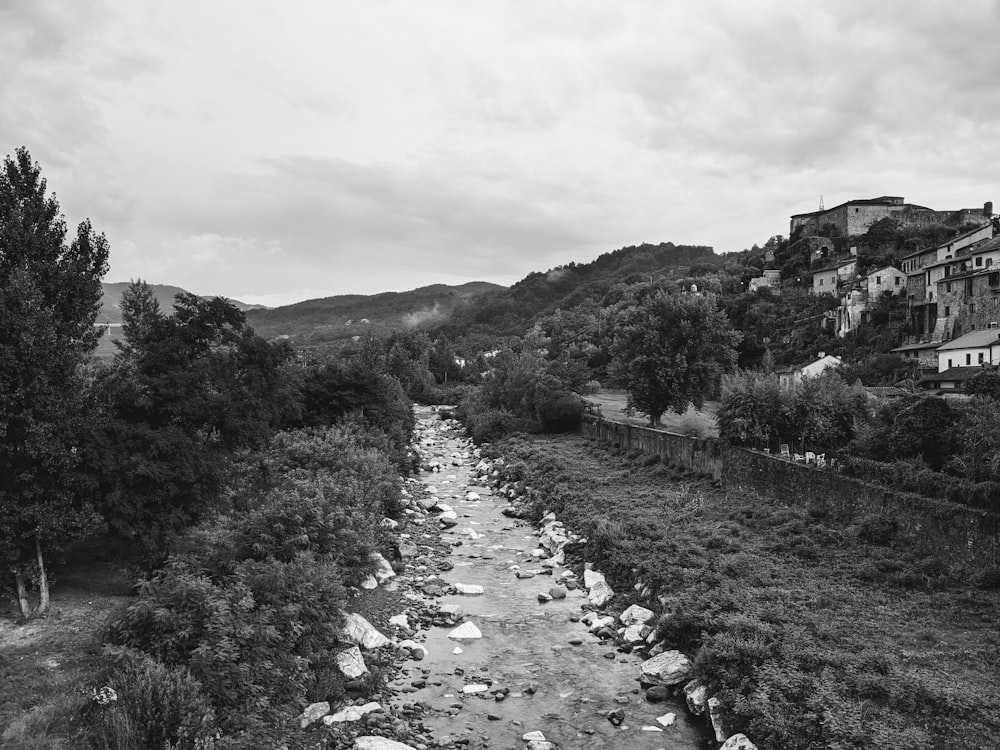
<point x="670" y="350"/>
<point x="185" y="392"/>
<point x="150" y="705"/>
<point x="985" y="383"/>
<point x="914" y="426"/>
<point x="50" y="294"/>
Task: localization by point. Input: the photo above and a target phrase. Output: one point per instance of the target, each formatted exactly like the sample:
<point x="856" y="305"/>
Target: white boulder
<point x="465" y="631"/>
<point x="351" y="713"/>
<point x="351" y="662"/>
<point x="383" y="569"/>
<point x="696" y="696"/>
<point x="600" y="593"/>
<point x="359" y="631"/>
<point x="469" y="589"/>
<point x="313" y="713"/>
<point x="715" y="716"/>
<point x="738" y="742"/>
<point x="371" y="742"/>
<point x="636" y="615"/>
<point x="668" y="668"/>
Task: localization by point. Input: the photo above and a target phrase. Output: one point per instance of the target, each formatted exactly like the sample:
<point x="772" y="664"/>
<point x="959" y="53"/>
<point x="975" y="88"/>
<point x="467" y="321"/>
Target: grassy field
<point x="612" y="405"/>
<point x="815" y="635"/>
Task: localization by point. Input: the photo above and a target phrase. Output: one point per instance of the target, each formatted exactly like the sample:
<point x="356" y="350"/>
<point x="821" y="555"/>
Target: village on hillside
<point x="951" y="291"/>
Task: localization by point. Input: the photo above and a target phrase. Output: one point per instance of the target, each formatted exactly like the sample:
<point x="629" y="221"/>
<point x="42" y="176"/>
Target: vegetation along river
<point x="536" y="667"/>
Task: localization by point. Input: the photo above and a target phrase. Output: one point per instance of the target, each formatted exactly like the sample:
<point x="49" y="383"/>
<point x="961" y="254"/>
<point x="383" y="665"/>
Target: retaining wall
<point x="959" y="533"/>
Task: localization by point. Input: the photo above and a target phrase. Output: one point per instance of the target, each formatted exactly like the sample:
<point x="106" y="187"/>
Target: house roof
<point x="955" y="374"/>
<point x="886" y="268"/>
<point x="803" y="365"/>
<point x="834" y="266"/>
<point x="944" y="244"/>
<point x="885" y="391"/>
<point x="984" y="337"/>
<point x="916" y="347"/>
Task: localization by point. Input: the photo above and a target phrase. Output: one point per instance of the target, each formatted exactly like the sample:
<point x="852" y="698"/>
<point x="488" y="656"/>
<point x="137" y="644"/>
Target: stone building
<point x="855" y="216"/>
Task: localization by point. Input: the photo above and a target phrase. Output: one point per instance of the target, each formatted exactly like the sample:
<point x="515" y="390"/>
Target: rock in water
<point x="465" y="631"/>
<point x="351" y="663"/>
<point x="383" y="570"/>
<point x="696" y="696"/>
<point x="668" y="668"/>
<point x="351" y="713"/>
<point x="371" y="742"/>
<point x="469" y="589"/>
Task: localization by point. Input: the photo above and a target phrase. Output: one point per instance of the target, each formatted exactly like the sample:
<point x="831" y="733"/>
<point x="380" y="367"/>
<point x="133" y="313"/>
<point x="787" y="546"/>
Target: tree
<point x="670" y="350"/>
<point x="186" y="392"/>
<point x="50" y="294"/>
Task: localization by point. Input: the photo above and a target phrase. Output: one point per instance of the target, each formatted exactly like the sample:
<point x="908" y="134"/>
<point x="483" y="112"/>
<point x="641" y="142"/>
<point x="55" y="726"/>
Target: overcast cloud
<point x="277" y="151"/>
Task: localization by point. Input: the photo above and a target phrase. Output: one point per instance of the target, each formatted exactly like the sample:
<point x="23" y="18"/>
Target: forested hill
<point x="164" y="294"/>
<point x="510" y="311"/>
<point x="329" y="320"/>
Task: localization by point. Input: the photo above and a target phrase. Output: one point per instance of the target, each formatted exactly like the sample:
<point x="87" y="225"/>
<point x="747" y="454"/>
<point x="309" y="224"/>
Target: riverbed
<point x="536" y="667"/>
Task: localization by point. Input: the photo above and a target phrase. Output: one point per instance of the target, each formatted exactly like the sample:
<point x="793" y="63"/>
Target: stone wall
<point x="954" y="532"/>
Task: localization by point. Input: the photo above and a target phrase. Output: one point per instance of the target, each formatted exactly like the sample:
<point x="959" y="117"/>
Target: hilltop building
<point x="855" y="216"/>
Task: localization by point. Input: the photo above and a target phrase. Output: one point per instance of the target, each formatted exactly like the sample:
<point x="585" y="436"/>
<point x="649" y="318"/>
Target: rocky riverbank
<point x="493" y="639"/>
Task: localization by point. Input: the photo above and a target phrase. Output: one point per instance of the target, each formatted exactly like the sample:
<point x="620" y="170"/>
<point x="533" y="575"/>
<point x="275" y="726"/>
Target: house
<point x="826" y="280"/>
<point x="951" y="381"/>
<point x="771" y="279"/>
<point x="974" y="349"/>
<point x="788" y="376"/>
<point x="925" y="354"/>
<point x="888" y="279"/>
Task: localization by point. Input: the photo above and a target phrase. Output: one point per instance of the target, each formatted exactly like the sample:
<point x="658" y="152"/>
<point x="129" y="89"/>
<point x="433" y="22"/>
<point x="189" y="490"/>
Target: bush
<point x="560" y="411"/>
<point x="694" y="424"/>
<point x="142" y="703"/>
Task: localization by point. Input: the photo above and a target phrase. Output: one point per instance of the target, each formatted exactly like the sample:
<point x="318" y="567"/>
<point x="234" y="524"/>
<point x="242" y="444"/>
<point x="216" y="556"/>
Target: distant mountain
<point x="321" y="322"/>
<point x="111" y="302"/>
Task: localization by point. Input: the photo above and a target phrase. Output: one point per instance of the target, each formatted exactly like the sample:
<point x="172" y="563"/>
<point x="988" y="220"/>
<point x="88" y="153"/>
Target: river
<point x="566" y="691"/>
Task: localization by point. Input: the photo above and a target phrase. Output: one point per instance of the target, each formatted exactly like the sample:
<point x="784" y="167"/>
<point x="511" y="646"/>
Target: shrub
<point x="560" y="411"/>
<point x="694" y="424"/>
<point x="142" y="703"/>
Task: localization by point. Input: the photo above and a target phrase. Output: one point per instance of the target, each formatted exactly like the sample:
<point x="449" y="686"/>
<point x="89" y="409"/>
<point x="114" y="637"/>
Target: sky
<point x="273" y="152"/>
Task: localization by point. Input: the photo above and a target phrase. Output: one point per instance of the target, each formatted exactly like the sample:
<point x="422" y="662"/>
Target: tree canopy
<point x="50" y="294"/>
<point x="669" y="349"/>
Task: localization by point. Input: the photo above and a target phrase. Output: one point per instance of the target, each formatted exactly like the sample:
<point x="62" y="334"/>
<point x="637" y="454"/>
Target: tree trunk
<point x="43" y="581"/>
<point x="22" y="592"/>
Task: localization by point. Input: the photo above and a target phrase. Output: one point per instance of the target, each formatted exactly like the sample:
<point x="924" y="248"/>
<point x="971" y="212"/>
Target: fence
<point x="961" y="534"/>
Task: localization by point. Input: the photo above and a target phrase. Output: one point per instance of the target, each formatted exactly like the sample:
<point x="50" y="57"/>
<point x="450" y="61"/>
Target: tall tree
<point x="669" y="349"/>
<point x="186" y="391"/>
<point x="50" y="294"/>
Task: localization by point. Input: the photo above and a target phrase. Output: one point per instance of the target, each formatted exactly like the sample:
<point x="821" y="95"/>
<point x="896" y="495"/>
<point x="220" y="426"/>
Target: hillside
<point x="110" y="303"/>
<point x="333" y="320"/>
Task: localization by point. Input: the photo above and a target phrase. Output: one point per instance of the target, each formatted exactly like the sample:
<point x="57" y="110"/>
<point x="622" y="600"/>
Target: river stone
<point x="636" y="615"/>
<point x="313" y="713"/>
<point x="696" y="696"/>
<point x="369" y="583"/>
<point x="448" y="518"/>
<point x="417" y="650"/>
<point x="541" y="745"/>
<point x="472" y="496"/>
<point x="351" y="713"/>
<point x="533" y="736"/>
<point x="351" y="663"/>
<point x="383" y="570"/>
<point x="359" y="631"/>
<point x="557" y="592"/>
<point x="651" y="728"/>
<point x="524" y="573"/>
<point x="634" y="634"/>
<point x="474" y="689"/>
<point x="716" y="718"/>
<point x="591" y="576"/>
<point x="371" y="742"/>
<point x="543" y="597"/>
<point x="667" y="720"/>
<point x="598" y="624"/>
<point x="668" y="668"/>
<point x="600" y="594"/>
<point x="408" y="549"/>
<point x="452" y="612"/>
<point x="469" y="589"/>
<point x="657" y="694"/>
<point x="738" y="742"/>
<point x="465" y="631"/>
<point x="400" y="621"/>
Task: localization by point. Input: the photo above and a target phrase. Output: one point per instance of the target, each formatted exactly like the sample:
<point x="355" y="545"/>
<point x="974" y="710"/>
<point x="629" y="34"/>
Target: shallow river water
<point x="566" y="691"/>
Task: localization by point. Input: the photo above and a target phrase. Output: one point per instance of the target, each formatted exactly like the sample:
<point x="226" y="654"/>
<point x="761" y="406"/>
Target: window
<point x="968" y="359"/>
<point x="980" y="357"/>
<point x="947" y="311"/>
<point x="993" y="279"/>
<point x="947" y="287"/>
<point x="979" y="261"/>
<point x="821" y="282"/>
<point x="949" y="362"/>
<point x="878" y="279"/>
<point x="897" y="281"/>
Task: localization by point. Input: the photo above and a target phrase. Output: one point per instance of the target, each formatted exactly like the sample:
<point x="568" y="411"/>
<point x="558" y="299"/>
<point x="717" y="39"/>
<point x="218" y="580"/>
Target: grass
<point x="47" y="664"/>
<point x="692" y="422"/>
<point x="812" y="636"/>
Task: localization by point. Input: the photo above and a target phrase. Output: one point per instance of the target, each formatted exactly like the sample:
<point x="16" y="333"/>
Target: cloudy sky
<point x="279" y="151"/>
